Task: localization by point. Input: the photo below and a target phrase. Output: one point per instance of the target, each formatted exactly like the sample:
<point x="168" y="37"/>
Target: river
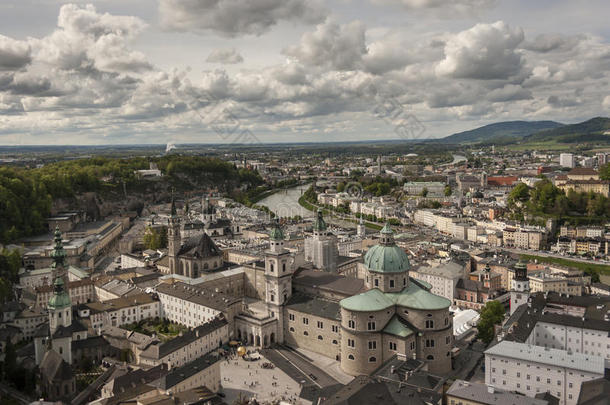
<point x="285" y="203"/>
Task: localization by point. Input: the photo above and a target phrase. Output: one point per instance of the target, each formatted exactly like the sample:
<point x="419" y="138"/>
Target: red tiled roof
<point x="502" y="181"/>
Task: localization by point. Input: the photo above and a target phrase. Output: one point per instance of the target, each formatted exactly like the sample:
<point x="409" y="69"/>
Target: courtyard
<point x="248" y="379"/>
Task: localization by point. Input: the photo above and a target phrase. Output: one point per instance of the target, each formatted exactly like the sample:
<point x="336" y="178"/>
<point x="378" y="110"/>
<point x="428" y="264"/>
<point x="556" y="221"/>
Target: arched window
<point x="306" y="333"/>
<point x="351" y="357"/>
<point x="291" y="329"/>
<point x="61" y="350"/>
<point x="429" y="324"/>
<point x="372" y="359"/>
<point x="335" y="342"/>
<point x="283" y="267"/>
<point x="271" y="267"/>
<point x="429" y="315"/>
<point x="430" y="357"/>
<point x="320" y="337"/>
<point x="351" y="324"/>
<point x="391" y="283"/>
<point x="404" y="281"/>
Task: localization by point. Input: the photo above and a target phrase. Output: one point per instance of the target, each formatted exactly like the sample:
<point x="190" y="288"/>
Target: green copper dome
<point x="319" y="224"/>
<point x="60" y="298"/>
<point x="276" y="232"/>
<point x="386" y="259"/>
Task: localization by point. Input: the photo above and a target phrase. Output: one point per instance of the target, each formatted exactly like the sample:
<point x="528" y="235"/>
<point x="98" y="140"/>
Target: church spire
<point x="58" y="254"/>
<point x="173" y="212"/>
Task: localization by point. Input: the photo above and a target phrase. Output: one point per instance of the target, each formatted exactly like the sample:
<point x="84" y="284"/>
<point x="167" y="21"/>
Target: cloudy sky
<point x="214" y="71"/>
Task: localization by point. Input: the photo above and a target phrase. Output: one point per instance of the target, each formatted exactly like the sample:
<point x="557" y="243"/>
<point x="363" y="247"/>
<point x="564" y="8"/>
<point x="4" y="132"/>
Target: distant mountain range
<point x="502" y="132"/>
<point x="595" y="130"/>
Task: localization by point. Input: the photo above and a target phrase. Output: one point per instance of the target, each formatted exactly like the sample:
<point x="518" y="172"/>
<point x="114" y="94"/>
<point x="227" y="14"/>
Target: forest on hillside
<point x="27" y="194"/>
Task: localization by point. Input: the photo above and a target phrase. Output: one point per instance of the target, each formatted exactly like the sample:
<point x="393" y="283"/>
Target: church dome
<point x="387" y="259"/>
<point x="60" y="298"/>
<point x="276" y="233"/>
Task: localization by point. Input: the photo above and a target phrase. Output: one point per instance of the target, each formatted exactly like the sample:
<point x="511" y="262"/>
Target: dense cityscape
<point x="296" y="202"/>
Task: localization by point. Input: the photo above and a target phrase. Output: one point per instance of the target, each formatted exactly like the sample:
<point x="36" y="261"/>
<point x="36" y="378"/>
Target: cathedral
<point x="360" y="321"/>
<point x="193" y="255"/>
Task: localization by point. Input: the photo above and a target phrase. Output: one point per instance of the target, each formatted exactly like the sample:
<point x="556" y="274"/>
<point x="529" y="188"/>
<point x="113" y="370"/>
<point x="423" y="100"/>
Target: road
<point x="548" y="254"/>
<point x="298" y="367"/>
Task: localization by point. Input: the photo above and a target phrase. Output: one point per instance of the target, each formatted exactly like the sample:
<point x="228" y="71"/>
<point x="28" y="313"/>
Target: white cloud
<point x="485" y="51"/>
<point x="446" y="6"/>
<point x="332" y="45"/>
<point x="86" y="39"/>
<point x="236" y="17"/>
<point x="225" y="56"/>
<point x="14" y="54"/>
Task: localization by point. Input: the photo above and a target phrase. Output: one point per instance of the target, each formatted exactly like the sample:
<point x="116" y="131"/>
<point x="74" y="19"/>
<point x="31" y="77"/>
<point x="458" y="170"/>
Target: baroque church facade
<point x="193" y="255"/>
<point x="361" y="320"/>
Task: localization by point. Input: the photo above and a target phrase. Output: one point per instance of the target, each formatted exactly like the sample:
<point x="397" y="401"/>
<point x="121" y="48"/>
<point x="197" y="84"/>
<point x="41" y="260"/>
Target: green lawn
<point x="587" y="267"/>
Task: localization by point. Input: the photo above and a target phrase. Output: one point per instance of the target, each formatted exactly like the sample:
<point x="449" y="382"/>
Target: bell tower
<point x="173" y="238"/>
<point x="278" y="275"/>
<point x="520" y="287"/>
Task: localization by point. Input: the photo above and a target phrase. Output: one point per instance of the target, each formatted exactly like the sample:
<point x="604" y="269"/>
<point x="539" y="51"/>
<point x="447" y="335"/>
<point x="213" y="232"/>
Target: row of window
<point x="320" y="337"/>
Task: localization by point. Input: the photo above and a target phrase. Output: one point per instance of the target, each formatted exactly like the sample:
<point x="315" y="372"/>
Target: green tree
<point x="521" y="193"/>
<point x="491" y="314"/>
<point x="155" y="238"/>
<point x="448" y="190"/>
<point x="424" y="192"/>
<point x="604" y="172"/>
<point x="341" y="187"/>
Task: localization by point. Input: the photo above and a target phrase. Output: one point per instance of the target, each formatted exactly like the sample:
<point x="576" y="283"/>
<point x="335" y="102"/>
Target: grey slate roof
<point x="179" y="374"/>
<point x="198" y="295"/>
<point x="479" y="393"/>
<point x="199" y="246"/>
<point x="314" y="306"/>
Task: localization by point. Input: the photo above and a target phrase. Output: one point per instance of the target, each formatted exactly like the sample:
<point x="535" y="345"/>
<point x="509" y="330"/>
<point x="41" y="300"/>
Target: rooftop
<point x="485" y="394"/>
<point x="545" y="355"/>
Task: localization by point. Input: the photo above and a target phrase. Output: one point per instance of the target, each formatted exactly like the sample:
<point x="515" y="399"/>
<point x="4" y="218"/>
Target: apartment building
<point x="531" y="370"/>
<point x="192" y="305"/>
<point x="188" y="346"/>
<point x="122" y="311"/>
<point x="443" y="278"/>
<point x="543" y="281"/>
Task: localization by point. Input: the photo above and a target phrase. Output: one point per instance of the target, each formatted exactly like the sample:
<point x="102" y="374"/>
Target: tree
<point x="448" y="190"/>
<point x="604" y="172"/>
<point x="155" y="238"/>
<point x="424" y="192"/>
<point x="341" y="187"/>
<point x="492" y="314"/>
<point x="520" y="193"/>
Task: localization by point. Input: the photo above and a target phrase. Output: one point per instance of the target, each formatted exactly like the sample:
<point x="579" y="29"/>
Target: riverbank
<point x="310" y="207"/>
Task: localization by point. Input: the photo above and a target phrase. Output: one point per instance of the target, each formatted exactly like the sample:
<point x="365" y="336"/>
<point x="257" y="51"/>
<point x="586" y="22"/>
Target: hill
<point x="501" y="131"/>
<point x="596" y="130"/>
